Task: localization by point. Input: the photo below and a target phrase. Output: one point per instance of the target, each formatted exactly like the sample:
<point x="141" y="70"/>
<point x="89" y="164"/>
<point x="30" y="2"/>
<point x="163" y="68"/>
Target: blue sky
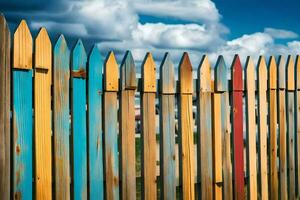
<point x="256" y="27"/>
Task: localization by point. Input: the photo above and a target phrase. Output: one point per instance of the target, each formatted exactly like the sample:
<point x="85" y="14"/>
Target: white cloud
<point x="280" y="33"/>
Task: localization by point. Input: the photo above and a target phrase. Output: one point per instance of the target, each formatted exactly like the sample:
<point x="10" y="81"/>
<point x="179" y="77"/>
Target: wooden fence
<point x="68" y="125"/>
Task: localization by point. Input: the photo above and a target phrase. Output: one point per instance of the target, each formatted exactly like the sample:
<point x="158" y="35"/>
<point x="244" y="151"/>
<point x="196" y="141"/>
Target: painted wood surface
<point x="111" y="86"/>
<point x="186" y="125"/>
<point x="127" y="127"/>
<point x="95" y="133"/>
<point x="262" y="126"/>
<point x="273" y="170"/>
<point x="237" y="128"/>
<point x="61" y="123"/>
<point x="297" y="120"/>
<point x="78" y="119"/>
<point x="251" y="129"/>
<point x="221" y="86"/>
<point x="205" y="130"/>
<point x="148" y="128"/>
<point x="5" y="96"/>
<point x="282" y="128"/>
<point x="42" y="112"/>
<point x="167" y="129"/>
<point x="22" y="115"/>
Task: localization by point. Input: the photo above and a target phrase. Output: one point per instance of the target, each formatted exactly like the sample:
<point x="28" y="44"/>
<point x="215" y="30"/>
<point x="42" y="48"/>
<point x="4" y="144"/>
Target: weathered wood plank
<point x="148" y="128"/>
<point x="273" y="170"/>
<point x="282" y="128"/>
<point x="237" y="128"/>
<point x="111" y="127"/>
<point x="42" y="112"/>
<point x="167" y="129"/>
<point x="186" y="125"/>
<point x="204" y="126"/>
<point x="127" y="127"/>
<point x="78" y="121"/>
<point x="221" y="86"/>
<point x="297" y="120"/>
<point x="251" y="129"/>
<point x="5" y="137"/>
<point x="95" y="133"/>
<point x="61" y="123"/>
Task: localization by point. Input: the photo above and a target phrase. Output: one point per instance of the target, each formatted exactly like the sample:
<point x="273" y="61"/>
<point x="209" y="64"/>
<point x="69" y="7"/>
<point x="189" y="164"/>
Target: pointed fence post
<point x="111" y="87"/>
<point x="205" y="149"/>
<point x="251" y="129"/>
<point x="5" y="96"/>
<point x="42" y="112"/>
<point x="78" y="120"/>
<point x="61" y="124"/>
<point x="221" y="88"/>
<point x="186" y="128"/>
<point x="167" y="129"/>
<point x="95" y="134"/>
<point x="237" y="128"/>
<point x="127" y="127"/>
<point x="297" y="120"/>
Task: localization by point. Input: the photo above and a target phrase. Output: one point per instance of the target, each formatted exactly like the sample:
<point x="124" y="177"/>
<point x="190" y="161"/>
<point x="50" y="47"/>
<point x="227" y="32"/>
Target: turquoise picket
<point x="79" y="133"/>
<point x="95" y="89"/>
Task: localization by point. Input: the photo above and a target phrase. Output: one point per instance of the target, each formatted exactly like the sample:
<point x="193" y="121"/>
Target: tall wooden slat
<point x="167" y="129"/>
<point x="61" y="123"/>
<point x="221" y="86"/>
<point x="148" y="128"/>
<point x="42" y="112"/>
<point x="282" y="128"/>
<point x="237" y="128"/>
<point x="251" y="129"/>
<point x="127" y="127"/>
<point x="290" y="67"/>
<point x="5" y="137"/>
<point x="95" y="152"/>
<point x="111" y="87"/>
<point x="22" y="113"/>
<point x="273" y="170"/>
<point x="186" y="125"/>
<point x="297" y="113"/>
<point x="262" y="126"/>
<point x="78" y="120"/>
<point x="204" y="125"/>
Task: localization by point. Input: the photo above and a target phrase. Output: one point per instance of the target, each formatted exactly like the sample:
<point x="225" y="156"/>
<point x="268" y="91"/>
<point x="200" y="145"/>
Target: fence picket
<point x="251" y="129"/>
<point x="297" y="120"/>
<point x="237" y="128"/>
<point x="186" y="125"/>
<point x="127" y="127"/>
<point x="95" y="133"/>
<point x="5" y="137"/>
<point x="42" y="112"/>
<point x="167" y="129"/>
<point x="111" y="87"/>
<point x="61" y="123"/>
<point x="22" y="113"/>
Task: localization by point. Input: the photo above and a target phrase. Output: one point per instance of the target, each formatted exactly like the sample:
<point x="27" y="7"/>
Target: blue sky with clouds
<point x="198" y="26"/>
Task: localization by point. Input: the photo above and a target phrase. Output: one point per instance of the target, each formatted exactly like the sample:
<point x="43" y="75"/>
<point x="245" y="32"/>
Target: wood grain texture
<point x="111" y="127"/>
<point x="186" y="125"/>
<point x="22" y="116"/>
<point x="5" y="135"/>
<point x="42" y="112"/>
<point x="251" y="129"/>
<point x="167" y="129"/>
<point x="297" y="121"/>
<point x="272" y="89"/>
<point x="127" y="127"/>
<point x="61" y="123"/>
<point x="204" y="125"/>
<point x="78" y="121"/>
<point x="95" y="133"/>
<point x="237" y="128"/>
<point x="148" y="128"/>
<point x="221" y="86"/>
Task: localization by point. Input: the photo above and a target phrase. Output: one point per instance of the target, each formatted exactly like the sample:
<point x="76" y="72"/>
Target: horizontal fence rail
<point x="75" y="125"/>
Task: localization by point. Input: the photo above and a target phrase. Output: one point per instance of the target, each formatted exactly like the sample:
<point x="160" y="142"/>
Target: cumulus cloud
<point x="280" y="33"/>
